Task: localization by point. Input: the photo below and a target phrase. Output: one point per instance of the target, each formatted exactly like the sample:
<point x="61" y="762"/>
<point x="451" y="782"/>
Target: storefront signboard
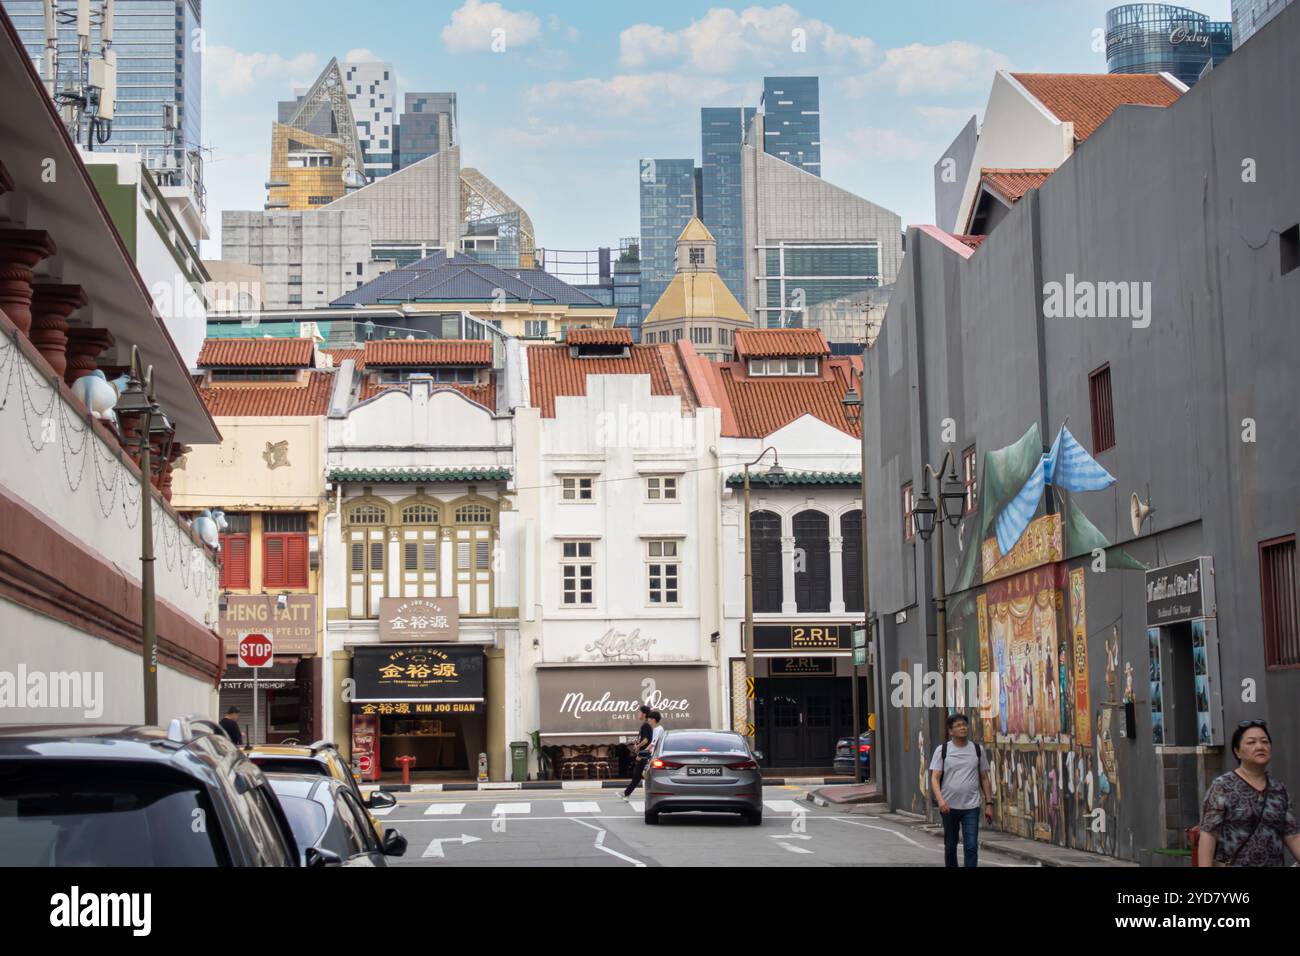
<point x="417" y="673"/>
<point x="408" y="620"/>
<point x="292" y="628"/>
<point x="603" y="699"/>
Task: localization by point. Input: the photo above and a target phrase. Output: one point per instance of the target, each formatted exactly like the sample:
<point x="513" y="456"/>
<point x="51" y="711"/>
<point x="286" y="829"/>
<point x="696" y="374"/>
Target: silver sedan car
<point x="714" y="771"/>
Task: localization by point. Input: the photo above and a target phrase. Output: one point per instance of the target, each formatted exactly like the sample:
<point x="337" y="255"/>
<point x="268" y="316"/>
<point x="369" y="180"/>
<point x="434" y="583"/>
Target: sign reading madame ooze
<point x="419" y="619"/>
<point x="600" y="699"/>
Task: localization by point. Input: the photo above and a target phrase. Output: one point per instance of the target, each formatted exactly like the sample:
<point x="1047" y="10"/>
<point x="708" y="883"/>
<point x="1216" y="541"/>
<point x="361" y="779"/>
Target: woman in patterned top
<point x="1247" y="814"/>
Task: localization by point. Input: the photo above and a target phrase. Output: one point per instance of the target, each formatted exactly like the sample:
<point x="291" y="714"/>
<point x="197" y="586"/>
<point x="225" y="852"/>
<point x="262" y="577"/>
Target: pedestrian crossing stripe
<point x="784" y="806"/>
<point x="383" y="811"/>
<point x="584" y="806"/>
<point x="511" y="808"/>
<point x="444" y="809"/>
<point x="574" y="807"/>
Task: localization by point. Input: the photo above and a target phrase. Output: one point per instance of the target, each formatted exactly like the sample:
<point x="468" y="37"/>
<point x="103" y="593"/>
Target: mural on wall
<point x="1018" y="612"/>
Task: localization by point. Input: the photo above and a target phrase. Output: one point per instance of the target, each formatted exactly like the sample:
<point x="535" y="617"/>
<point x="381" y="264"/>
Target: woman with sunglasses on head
<point x="1248" y="815"/>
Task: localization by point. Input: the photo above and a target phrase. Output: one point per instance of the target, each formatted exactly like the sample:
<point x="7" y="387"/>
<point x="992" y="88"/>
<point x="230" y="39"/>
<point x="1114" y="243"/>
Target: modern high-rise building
<point x="372" y="93"/>
<point x="317" y="151"/>
<point x="722" y="132"/>
<point x="1159" y="38"/>
<point x="1249" y="15"/>
<point x="159" y="106"/>
<point x="668" y="202"/>
<point x="792" y="127"/>
<point x="610" y="276"/>
<point x="418" y="127"/>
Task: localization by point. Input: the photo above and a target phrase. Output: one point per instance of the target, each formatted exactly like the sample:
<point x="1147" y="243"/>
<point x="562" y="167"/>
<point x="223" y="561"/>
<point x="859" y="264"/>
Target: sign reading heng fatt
<point x="292" y="628"/>
<point x="1180" y="592"/>
<point x="417" y="672"/>
<point x="419" y="619"/>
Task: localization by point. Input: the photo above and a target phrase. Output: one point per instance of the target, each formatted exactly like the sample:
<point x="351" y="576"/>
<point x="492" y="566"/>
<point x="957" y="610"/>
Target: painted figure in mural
<point x="1112" y="663"/>
<point x="1064" y="686"/>
<point x="1000" y="658"/>
<point x="1027" y="682"/>
<point x="1050" y="705"/>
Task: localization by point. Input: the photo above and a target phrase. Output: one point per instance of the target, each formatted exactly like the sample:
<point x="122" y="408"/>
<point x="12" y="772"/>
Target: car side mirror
<point x="317" y="858"/>
<point x="380" y="800"/>
<point x="394" y="843"/>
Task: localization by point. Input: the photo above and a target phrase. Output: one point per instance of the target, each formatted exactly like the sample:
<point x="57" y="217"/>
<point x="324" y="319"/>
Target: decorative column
<point x="20" y="251"/>
<point x="84" y="348"/>
<point x="51" y="305"/>
<point x="837" y="574"/>
<point x="789" y="601"/>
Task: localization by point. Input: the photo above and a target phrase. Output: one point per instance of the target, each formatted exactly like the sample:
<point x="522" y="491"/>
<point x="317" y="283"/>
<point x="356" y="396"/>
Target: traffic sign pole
<point x="252" y="738"/>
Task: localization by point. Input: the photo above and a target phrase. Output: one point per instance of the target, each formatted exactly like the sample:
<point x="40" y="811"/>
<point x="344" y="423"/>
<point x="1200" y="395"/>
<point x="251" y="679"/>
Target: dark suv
<point x="88" y="795"/>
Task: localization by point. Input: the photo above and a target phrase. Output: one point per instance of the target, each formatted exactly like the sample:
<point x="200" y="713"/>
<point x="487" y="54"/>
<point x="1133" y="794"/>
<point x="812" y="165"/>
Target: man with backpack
<point x="959" y="773"/>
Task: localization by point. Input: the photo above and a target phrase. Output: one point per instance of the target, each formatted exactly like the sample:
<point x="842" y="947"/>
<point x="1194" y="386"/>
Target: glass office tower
<point x="1249" y="15"/>
<point x="668" y="202"/>
<point x="159" y="63"/>
<point x="419" y="126"/>
<point x="793" y="121"/>
<point x="722" y="131"/>
<point x="1159" y="38"/>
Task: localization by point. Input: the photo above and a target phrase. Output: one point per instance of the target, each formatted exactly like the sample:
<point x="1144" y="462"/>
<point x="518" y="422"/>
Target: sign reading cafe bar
<point x="451" y="674"/>
<point x="604" y="700"/>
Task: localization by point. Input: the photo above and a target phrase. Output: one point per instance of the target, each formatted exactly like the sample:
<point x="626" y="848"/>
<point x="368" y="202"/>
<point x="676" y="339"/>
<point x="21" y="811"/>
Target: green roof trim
<point x="800" y="478"/>
<point x="418" y="474"/>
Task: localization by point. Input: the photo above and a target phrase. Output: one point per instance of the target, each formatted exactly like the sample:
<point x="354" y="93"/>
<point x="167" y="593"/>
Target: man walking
<point x="959" y="773"/>
<point x="640" y="749"/>
<point x="230" y="724"/>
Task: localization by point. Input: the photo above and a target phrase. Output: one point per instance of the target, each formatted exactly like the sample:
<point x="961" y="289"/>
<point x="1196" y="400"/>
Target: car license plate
<point x="704" y="771"/>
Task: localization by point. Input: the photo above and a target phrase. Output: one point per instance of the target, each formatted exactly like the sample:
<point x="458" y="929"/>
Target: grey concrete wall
<point x="950" y="178"/>
<point x="1154" y="196"/>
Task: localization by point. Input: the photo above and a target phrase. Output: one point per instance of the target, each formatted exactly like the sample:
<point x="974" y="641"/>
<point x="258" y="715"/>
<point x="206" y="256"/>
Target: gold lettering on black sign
<point x="820" y="637"/>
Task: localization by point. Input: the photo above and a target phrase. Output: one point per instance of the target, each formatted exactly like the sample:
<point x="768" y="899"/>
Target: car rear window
<point x="704" y="743"/>
<point x="89" y="815"/>
<point x="307" y="765"/>
<point x="306" y="818"/>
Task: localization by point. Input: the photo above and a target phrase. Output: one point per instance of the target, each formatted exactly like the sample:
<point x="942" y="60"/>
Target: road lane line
<point x="584" y="806"/>
<point x="908" y="839"/>
<point x="504" y="808"/>
<point x="444" y="809"/>
<point x="600" y="842"/>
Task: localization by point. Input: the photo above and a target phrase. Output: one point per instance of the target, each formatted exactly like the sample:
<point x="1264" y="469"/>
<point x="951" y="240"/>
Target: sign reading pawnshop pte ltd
<point x="256" y="649"/>
<point x="604" y="699"/>
<point x="419" y="619"/>
<point x="292" y="627"/>
<point x="1180" y="592"/>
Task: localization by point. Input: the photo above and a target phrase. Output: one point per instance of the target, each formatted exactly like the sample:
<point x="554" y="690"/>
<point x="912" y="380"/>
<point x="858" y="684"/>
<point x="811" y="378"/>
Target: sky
<point x="560" y="117"/>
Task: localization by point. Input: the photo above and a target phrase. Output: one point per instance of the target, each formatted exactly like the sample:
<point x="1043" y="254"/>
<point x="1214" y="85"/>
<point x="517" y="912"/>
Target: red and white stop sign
<point x="255" y="649"/>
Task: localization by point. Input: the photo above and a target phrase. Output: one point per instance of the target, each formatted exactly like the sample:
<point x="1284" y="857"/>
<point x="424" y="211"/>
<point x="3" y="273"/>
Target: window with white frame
<point x="577" y="572"/>
<point x="577" y="488"/>
<point x="662" y="571"/>
<point x="783" y="366"/>
<point x="661" y="488"/>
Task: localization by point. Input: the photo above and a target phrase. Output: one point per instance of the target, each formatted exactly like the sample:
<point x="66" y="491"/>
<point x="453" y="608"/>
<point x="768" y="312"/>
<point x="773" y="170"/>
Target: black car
<point x="96" y="795"/>
<point x="329" y="824"/>
<point x="844" y="748"/>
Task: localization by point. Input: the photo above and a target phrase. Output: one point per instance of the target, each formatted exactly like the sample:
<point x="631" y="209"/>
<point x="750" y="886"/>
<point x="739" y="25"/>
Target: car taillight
<point x="660" y="764"/>
<point x="864" y="748"/>
<point x="743" y="765"/>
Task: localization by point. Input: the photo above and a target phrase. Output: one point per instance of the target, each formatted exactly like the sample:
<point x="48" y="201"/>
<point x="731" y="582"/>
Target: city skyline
<point x="602" y="88"/>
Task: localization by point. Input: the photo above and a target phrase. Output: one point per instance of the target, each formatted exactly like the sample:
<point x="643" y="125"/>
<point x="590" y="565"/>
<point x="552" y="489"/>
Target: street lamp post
<point x="853" y="411"/>
<point x="952" y="501"/>
<point x="774" y="476"/>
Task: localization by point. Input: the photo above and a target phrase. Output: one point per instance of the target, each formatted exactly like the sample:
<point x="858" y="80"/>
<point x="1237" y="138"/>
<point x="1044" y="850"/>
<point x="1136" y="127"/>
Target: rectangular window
<point x="661" y="488"/>
<point x="662" y="572"/>
<point x="702" y="335"/>
<point x="577" y="570"/>
<point x="576" y="489"/>
<point x="1289" y="241"/>
<point x="908" y="530"/>
<point x="968" y="476"/>
<point x="234" y="552"/>
<point x="1278" y="599"/>
<point x="697" y="255"/>
<point x="535" y="328"/>
<point x="1103" y="410"/>
<point x="284" y="551"/>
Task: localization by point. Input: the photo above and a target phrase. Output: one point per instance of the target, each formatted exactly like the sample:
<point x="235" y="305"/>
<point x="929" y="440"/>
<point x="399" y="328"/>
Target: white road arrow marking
<point x="792" y="836"/>
<point x="434" y="849"/>
<point x="600" y="842"/>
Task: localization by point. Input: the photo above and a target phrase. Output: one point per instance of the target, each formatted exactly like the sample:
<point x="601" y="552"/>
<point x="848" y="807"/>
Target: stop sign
<point x="255" y="649"/>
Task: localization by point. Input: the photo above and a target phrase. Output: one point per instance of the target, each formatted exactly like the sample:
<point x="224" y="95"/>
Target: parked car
<point x="703" y="770"/>
<point x="329" y="824"/>
<point x="97" y="795"/>
<point x="322" y="759"/>
<point x="844" y="748"/>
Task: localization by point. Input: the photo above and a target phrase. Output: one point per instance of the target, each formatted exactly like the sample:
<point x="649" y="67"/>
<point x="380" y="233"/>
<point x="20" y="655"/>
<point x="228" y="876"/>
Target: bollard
<point x="482" y="768"/>
<point x="406" y="762"/>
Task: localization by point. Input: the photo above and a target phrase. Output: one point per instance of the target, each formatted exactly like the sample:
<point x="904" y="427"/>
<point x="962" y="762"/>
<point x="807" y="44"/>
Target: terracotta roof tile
<point x="761" y="343"/>
<point x="249" y="401"/>
<point x="342" y="355"/>
<point x="972" y="241"/>
<point x="427" y="352"/>
<point x="760" y="406"/>
<point x="485" y="395"/>
<point x="553" y="372"/>
<point x="1011" y="184"/>
<point x="256" y="353"/>
<point x="1088" y="99"/>
<point x="620" y="336"/>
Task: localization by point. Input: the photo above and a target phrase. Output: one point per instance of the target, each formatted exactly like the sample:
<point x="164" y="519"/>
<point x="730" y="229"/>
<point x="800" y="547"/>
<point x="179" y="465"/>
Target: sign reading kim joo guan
<point x="604" y="699"/>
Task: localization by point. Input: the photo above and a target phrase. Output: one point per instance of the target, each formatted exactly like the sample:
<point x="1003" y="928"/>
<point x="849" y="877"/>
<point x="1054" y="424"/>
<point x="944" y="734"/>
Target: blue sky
<point x="582" y="90"/>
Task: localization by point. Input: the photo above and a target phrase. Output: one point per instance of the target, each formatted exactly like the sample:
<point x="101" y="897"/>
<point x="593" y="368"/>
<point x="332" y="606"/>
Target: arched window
<point x="765" y="554"/>
<point x="473" y="514"/>
<point x="812" y="555"/>
<point x="419" y="513"/>
<point x="367" y="512"/>
<point x="851" y="535"/>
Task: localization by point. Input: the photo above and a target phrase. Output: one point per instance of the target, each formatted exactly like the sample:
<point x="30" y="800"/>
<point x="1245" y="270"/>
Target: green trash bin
<point x="519" y="760"/>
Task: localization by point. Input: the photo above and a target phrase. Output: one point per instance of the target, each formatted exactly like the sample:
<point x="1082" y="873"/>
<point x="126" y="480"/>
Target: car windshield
<point x="307" y="765"/>
<point x="306" y="818"/>
<point x="705" y="743"/>
<point x="92" y="816"/>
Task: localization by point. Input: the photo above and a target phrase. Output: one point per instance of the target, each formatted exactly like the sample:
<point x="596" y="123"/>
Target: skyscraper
<point x="722" y="132"/>
<point x="372" y="94"/>
<point x="1159" y="38"/>
<point x="159" y="79"/>
<point x="1249" y="15"/>
<point x="419" y="126"/>
<point x="668" y="203"/>
<point x="792" y="125"/>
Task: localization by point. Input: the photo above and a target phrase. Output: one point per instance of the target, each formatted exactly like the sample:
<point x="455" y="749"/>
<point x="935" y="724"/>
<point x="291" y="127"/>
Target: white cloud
<point x="472" y="28"/>
<point x="951" y="67"/>
<point x="361" y="55"/>
<point x="954" y="117"/>
<point x="755" y="37"/>
<point x="235" y="72"/>
<point x="879" y="144"/>
<point x="631" y="91"/>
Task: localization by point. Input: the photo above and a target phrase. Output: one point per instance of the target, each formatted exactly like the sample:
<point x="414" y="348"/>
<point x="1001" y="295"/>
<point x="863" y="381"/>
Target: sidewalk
<point x="1030" y="851"/>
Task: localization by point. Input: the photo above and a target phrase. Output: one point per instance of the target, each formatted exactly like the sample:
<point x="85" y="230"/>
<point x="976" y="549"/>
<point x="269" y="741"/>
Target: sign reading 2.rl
<point x="255" y="649"/>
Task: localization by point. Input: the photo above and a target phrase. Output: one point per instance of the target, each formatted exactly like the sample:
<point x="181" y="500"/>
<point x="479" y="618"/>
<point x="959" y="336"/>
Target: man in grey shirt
<point x="959" y="773"/>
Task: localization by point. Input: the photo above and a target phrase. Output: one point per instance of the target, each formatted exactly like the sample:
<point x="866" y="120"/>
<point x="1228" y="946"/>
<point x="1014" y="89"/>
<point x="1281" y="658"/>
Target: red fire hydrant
<point x="406" y="762"/>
